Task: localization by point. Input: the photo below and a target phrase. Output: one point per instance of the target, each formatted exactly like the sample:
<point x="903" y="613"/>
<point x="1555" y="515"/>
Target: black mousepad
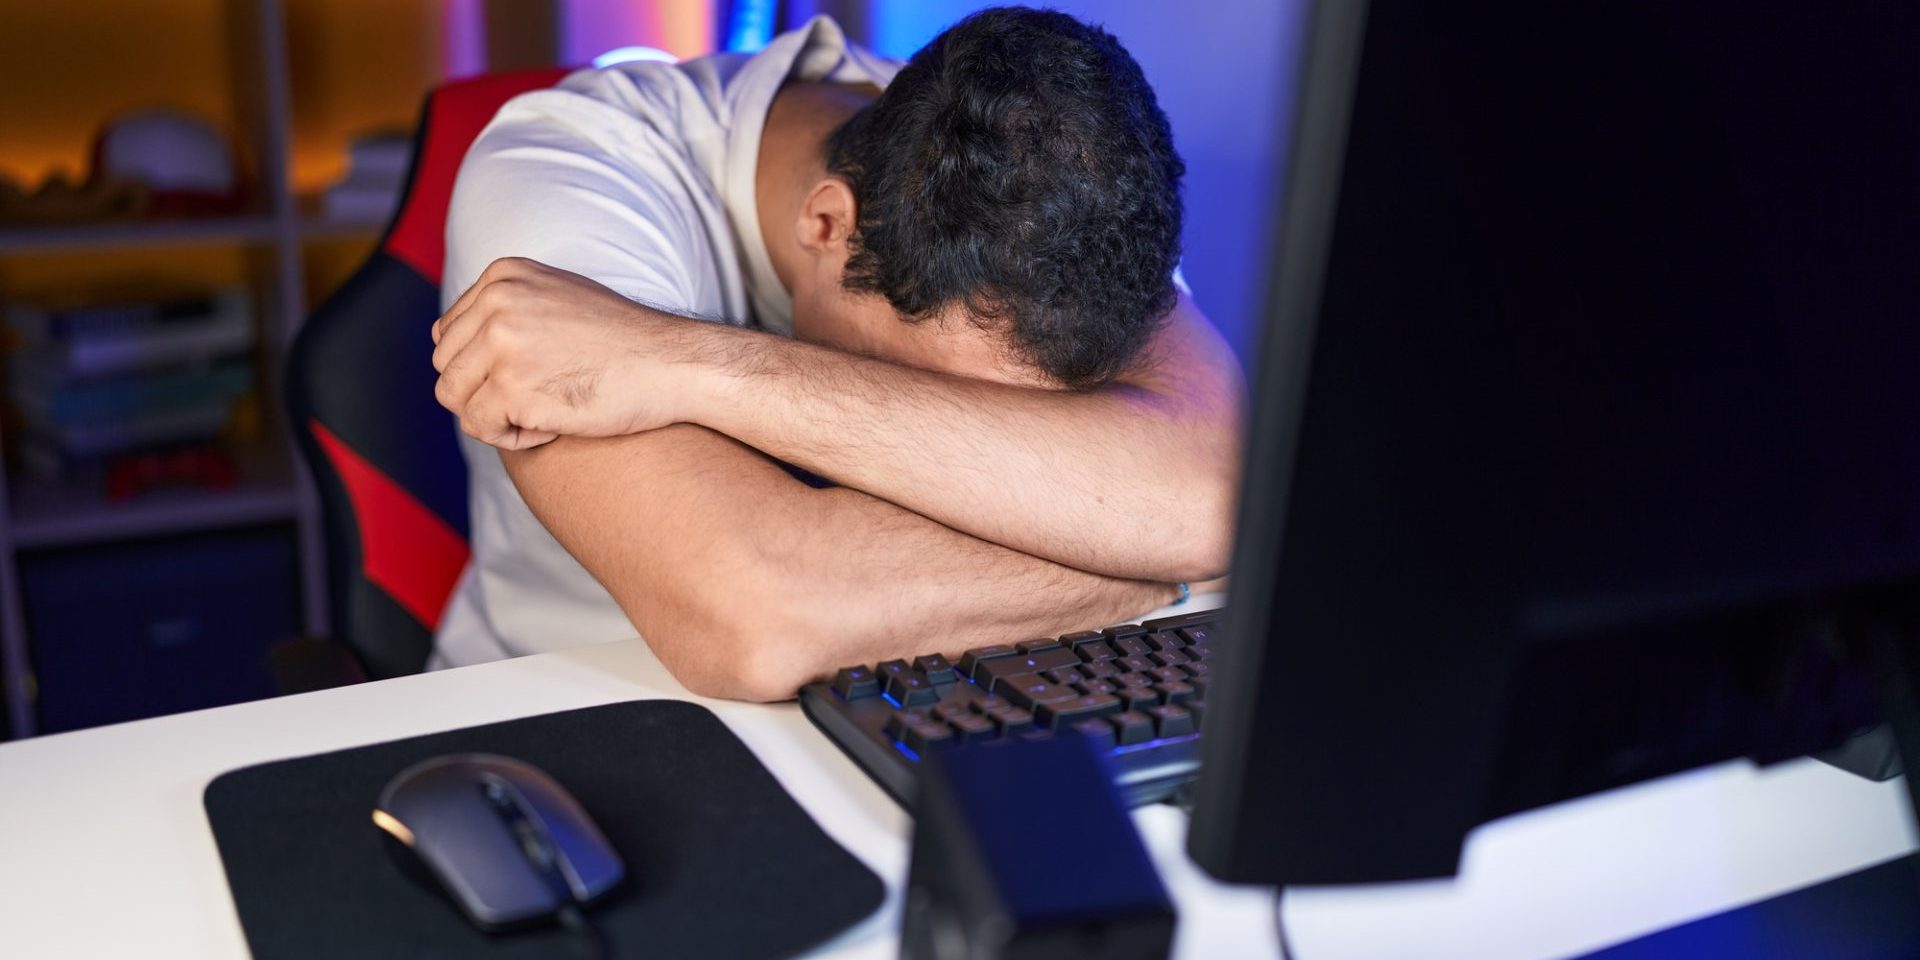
<point x="721" y="862"/>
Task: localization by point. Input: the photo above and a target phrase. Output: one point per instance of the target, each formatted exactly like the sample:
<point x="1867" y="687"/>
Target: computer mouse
<point x="510" y="846"/>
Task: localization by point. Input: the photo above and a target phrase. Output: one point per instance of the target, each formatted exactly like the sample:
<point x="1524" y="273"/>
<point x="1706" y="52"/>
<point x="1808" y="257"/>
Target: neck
<point x="793" y="158"/>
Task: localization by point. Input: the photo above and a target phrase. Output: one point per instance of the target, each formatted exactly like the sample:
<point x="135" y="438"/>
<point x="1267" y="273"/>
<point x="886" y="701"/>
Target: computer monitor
<point x="1586" y="433"/>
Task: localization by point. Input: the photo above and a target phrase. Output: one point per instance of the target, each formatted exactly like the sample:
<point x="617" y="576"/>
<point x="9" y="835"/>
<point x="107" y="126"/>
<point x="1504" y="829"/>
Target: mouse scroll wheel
<point x="533" y="844"/>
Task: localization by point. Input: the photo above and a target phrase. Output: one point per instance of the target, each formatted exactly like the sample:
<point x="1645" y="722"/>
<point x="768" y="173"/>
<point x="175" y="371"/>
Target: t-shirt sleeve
<point x="573" y="184"/>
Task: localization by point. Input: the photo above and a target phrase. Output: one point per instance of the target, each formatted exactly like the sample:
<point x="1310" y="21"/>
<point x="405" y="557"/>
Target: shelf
<point x="125" y="234"/>
<point x="48" y="514"/>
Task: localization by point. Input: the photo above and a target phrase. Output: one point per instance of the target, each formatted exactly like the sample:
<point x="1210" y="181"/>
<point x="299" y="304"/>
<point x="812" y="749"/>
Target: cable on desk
<point x="1280" y="924"/>
<point x="593" y="945"/>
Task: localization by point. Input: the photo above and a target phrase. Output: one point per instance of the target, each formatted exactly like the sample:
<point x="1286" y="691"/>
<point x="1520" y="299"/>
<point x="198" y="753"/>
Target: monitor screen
<point x="1587" y="428"/>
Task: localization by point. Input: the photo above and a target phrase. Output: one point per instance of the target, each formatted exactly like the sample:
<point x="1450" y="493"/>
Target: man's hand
<point x="531" y="352"/>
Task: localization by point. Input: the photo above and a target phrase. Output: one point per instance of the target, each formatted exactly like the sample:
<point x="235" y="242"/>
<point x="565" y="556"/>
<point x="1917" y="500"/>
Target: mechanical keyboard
<point x="1139" y="689"/>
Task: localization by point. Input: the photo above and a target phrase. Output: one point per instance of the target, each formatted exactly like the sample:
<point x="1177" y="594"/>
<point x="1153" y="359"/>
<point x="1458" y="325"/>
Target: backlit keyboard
<point x="1139" y="690"/>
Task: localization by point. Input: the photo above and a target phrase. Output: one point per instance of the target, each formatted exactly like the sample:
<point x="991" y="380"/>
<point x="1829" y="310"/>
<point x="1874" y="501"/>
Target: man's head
<point x="1014" y="195"/>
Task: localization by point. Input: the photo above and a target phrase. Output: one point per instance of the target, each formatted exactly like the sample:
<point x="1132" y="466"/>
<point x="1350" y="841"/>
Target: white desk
<point x="105" y="851"/>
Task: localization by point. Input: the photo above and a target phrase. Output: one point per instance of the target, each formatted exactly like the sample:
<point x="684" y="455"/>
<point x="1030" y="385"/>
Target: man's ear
<point x="826" y="217"/>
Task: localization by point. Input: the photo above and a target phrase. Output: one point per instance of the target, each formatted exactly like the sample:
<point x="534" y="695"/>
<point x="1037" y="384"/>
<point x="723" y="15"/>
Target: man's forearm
<point x="748" y="584"/>
<point x="1134" y="480"/>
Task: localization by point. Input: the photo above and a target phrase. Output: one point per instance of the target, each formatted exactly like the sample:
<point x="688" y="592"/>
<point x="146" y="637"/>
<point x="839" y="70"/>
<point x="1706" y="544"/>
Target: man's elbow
<point x="744" y="641"/>
<point x="754" y="664"/>
<point x="737" y="655"/>
<point x="1206" y="549"/>
<point x="1201" y="545"/>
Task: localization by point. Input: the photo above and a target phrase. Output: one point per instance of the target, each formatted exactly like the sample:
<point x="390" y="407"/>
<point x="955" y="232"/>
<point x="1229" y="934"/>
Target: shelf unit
<point x="275" y="243"/>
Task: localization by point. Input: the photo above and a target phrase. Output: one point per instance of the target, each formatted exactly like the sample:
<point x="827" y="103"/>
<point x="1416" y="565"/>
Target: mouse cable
<point x="1280" y="924"/>
<point x="593" y="945"/>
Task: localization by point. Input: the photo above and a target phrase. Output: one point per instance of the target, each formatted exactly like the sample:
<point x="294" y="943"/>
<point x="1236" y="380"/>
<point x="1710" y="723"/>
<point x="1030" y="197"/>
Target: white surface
<point x="105" y="851"/>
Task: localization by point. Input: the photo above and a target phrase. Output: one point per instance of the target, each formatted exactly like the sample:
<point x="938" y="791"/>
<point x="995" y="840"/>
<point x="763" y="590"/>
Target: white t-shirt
<point x="640" y="176"/>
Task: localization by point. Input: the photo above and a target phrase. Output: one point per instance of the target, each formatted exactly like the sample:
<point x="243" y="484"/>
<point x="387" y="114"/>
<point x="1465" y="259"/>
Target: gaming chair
<point x="359" y="390"/>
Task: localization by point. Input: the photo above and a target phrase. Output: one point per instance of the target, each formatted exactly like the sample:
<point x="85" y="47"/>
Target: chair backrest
<point x="359" y="383"/>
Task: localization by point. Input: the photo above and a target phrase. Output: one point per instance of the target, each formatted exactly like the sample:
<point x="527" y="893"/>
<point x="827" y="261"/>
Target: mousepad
<point x="721" y="862"/>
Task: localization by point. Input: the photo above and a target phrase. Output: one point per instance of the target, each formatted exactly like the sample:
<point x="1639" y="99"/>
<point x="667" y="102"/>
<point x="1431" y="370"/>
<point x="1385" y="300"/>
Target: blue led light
<point x="906" y="751"/>
<point x="1159" y="742"/>
<point x="750" y="26"/>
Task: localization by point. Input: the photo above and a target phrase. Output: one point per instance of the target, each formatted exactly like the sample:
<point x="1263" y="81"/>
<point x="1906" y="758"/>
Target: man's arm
<point x="1134" y="479"/>
<point x="748" y="584"/>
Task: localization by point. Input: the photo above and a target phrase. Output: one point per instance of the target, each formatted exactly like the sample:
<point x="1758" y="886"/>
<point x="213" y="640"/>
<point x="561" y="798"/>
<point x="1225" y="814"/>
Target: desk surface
<point x="105" y="851"/>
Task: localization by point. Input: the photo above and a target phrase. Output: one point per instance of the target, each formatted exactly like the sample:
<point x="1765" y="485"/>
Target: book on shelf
<point x="88" y="343"/>
<point x="199" y="421"/>
<point x="96" y="383"/>
<point x="43" y="398"/>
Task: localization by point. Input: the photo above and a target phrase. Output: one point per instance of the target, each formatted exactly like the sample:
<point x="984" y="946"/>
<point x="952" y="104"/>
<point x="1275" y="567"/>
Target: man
<point x="1027" y="428"/>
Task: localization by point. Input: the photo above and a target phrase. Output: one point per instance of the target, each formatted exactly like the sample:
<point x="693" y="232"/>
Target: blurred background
<point x="181" y="182"/>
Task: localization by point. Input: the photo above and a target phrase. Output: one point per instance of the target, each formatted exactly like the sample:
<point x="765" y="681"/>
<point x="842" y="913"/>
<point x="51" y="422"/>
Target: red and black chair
<point x="392" y="486"/>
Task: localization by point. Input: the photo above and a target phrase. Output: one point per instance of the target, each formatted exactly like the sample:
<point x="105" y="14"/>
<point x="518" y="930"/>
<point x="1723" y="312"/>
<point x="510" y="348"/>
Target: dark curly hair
<point x="1019" y="165"/>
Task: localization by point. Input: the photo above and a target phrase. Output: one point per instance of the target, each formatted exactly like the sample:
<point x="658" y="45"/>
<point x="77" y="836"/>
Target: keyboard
<point x="1138" y="690"/>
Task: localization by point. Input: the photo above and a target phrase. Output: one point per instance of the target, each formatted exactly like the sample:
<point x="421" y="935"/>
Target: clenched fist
<point x="531" y="352"/>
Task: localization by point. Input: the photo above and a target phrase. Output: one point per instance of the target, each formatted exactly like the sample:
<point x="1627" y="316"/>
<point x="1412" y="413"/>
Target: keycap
<point x="853" y="683"/>
<point x="1171" y="721"/>
<point x="898" y="722"/>
<point x="1131" y="727"/>
<point x="911" y="689"/>
<point x="971" y="727"/>
<point x="1024" y="663"/>
<point x="1169" y="658"/>
<point x="1013" y="720"/>
<point x="1168" y="674"/>
<point x="1064" y="675"/>
<point x="1132" y="646"/>
<point x="1199" y="634"/>
<point x="990" y="704"/>
<point x="935" y="667"/>
<point x="1165" y="640"/>
<point x="1097" y="730"/>
<point x="1175" y="692"/>
<point x="893" y="667"/>
<point x="1130" y="679"/>
<point x="1099" y="670"/>
<point x="1056" y="712"/>
<point x="1134" y="664"/>
<point x="1124" y="630"/>
<point x="1197" y="668"/>
<point x="1137" y="698"/>
<point x="1094" y="686"/>
<point x="1029" y="691"/>
<point x="952" y="710"/>
<point x="1075" y="641"/>
<point x="1094" y="651"/>
<point x="1038" y="644"/>
<point x="929" y="735"/>
<point x="972" y="663"/>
